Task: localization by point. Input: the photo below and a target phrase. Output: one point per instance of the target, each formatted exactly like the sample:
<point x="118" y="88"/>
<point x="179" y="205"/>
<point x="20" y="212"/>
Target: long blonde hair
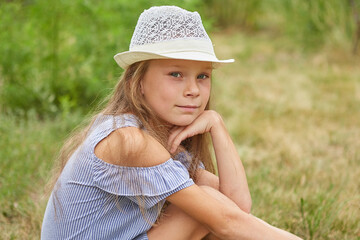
<point x="127" y="98"/>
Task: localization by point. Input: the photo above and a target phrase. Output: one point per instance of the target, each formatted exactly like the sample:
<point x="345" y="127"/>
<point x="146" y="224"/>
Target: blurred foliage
<point x="314" y="23"/>
<point x="309" y="23"/>
<point x="57" y="57"/>
<point x="54" y="57"/>
<point x="234" y="13"/>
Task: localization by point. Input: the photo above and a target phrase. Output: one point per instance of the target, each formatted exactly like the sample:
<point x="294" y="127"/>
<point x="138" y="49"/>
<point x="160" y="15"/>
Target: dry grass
<point x="296" y="120"/>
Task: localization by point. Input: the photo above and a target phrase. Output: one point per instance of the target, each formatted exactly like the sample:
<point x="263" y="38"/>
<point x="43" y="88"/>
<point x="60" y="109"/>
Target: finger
<point x="174" y="128"/>
<point x="181" y="136"/>
<point x="173" y="133"/>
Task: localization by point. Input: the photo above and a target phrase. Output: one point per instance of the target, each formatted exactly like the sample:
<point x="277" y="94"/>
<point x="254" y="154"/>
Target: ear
<point x="141" y="87"/>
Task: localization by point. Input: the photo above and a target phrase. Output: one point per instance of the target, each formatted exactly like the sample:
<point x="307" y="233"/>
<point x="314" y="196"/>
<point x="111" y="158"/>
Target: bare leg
<point x="206" y="178"/>
<point x="177" y="225"/>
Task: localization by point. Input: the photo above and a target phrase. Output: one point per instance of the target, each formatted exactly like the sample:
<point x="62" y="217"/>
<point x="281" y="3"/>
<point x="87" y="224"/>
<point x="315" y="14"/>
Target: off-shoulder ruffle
<point x="139" y="181"/>
<point x="143" y="185"/>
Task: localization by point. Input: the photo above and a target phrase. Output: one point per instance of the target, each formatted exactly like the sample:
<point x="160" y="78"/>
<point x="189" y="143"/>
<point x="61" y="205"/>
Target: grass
<point x="28" y="149"/>
<point x="295" y="120"/>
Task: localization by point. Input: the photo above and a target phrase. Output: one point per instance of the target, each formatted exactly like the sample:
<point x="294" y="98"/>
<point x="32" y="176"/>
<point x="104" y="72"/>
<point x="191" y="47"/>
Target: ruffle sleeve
<point x="145" y="185"/>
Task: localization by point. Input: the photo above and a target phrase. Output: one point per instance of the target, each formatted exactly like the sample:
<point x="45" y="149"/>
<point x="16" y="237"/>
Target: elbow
<point x="243" y="201"/>
<point x="247" y="205"/>
<point x="241" y="197"/>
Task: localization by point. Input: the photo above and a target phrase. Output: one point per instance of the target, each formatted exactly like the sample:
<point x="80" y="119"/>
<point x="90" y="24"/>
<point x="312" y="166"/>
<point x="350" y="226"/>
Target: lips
<point x="188" y="108"/>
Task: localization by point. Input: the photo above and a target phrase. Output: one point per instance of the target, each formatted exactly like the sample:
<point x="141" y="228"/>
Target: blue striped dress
<point x="97" y="200"/>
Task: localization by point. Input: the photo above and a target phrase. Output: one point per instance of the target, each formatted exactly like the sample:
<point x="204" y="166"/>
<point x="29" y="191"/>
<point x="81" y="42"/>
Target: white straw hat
<point x="169" y="32"/>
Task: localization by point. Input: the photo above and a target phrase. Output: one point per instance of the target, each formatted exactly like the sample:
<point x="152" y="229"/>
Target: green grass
<point x="293" y="114"/>
<point x="28" y="149"/>
<point x="294" y="118"/>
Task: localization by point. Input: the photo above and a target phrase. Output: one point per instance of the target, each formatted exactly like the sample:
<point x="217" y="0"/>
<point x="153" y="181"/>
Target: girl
<point x="150" y="144"/>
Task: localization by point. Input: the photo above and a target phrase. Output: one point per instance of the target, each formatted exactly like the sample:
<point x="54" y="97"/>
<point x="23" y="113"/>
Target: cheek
<point x="161" y="96"/>
<point x="206" y="90"/>
<point x="167" y="92"/>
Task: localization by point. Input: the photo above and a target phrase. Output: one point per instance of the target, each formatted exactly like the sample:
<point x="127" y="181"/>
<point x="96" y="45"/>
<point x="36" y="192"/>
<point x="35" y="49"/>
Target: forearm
<point x="225" y="220"/>
<point x="232" y="177"/>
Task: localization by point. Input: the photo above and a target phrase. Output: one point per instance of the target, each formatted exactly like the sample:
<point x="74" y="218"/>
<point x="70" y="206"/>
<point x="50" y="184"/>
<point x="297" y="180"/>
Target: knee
<point x="222" y="198"/>
<point x="205" y="178"/>
<point x="231" y="217"/>
<point x="210" y="182"/>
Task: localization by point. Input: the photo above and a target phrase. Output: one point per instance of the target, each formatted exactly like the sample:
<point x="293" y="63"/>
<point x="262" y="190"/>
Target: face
<point x="177" y="90"/>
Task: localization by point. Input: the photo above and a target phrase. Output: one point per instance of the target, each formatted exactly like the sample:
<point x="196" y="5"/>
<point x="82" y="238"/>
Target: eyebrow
<point x="180" y="66"/>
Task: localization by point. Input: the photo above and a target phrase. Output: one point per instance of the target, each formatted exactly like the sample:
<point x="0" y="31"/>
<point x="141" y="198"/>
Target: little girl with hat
<point x="150" y="145"/>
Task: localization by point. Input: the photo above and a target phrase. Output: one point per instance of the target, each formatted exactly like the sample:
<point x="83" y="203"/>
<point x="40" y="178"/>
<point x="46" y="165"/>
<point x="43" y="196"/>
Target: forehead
<point x="165" y="63"/>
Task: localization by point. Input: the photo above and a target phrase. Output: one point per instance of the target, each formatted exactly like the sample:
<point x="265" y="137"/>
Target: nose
<point x="192" y="88"/>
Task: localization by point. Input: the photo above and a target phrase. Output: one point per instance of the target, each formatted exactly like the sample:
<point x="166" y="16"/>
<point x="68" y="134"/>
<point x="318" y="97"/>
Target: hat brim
<point x="127" y="58"/>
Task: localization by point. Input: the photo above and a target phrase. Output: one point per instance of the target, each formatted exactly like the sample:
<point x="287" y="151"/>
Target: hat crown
<point x="167" y="23"/>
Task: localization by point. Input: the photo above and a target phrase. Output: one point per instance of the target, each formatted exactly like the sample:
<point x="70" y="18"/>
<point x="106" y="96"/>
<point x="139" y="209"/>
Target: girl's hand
<point x="205" y="122"/>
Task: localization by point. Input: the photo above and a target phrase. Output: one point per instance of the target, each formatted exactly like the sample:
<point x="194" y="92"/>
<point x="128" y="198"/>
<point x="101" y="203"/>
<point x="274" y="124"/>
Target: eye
<point x="203" y="76"/>
<point x="175" y="74"/>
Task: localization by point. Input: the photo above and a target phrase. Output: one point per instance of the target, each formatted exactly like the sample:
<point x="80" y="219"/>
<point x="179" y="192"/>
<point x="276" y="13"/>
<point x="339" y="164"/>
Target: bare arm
<point x="223" y="217"/>
<point x="232" y="178"/>
<point x="211" y="208"/>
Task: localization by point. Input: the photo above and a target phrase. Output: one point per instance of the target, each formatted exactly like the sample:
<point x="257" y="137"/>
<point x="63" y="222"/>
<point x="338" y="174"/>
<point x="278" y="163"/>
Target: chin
<point x="182" y="122"/>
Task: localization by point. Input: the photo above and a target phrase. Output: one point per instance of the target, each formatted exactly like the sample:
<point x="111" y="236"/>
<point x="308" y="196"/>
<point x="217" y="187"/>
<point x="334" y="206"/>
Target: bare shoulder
<point x="132" y="147"/>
